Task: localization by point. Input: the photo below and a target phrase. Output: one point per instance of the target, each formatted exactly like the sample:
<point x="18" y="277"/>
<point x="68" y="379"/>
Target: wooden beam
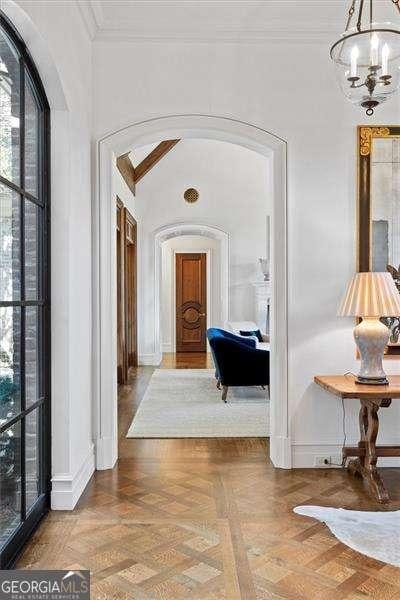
<point x="153" y="158"/>
<point x="125" y="167"/>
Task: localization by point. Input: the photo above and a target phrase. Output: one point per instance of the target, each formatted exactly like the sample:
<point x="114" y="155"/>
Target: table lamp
<point x="371" y="296"/>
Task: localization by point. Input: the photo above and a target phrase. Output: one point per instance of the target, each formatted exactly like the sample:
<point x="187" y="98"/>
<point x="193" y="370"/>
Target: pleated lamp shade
<point x="371" y="295"/>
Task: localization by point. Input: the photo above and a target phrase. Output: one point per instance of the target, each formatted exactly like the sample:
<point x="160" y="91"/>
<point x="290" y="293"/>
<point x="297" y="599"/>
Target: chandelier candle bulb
<point x="354" y="57"/>
<point x="374" y="50"/>
<point x="385" y="59"/>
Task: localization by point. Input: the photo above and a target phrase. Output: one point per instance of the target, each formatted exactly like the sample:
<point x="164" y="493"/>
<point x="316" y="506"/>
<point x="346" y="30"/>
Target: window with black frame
<point x="24" y="296"/>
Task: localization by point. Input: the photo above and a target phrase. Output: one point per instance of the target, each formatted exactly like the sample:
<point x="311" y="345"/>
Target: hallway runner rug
<point x="185" y="403"/>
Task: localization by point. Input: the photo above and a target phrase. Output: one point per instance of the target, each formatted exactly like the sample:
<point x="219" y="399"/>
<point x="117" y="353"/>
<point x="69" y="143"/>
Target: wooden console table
<point x="372" y="398"/>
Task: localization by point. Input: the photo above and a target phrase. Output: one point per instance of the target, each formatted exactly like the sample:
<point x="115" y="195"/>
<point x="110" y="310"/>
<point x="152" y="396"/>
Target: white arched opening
<point x="105" y="313"/>
<point x="188" y="229"/>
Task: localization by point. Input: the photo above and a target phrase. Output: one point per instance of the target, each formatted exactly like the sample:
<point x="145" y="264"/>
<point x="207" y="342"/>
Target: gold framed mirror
<point x="379" y="208"/>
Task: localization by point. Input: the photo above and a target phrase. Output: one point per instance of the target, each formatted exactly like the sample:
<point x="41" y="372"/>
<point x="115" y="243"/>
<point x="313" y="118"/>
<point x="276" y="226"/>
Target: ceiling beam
<point x="132" y="175"/>
<point x="153" y="158"/>
<point x="125" y="167"/>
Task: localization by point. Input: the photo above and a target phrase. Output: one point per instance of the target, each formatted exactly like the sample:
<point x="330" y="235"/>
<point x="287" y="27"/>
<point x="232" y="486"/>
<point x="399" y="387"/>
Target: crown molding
<point x="164" y="21"/>
<point x="92" y="16"/>
<point x="222" y="35"/>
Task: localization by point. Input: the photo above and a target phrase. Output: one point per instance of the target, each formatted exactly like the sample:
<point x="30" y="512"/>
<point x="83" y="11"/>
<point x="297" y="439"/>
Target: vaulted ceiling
<point x="216" y="20"/>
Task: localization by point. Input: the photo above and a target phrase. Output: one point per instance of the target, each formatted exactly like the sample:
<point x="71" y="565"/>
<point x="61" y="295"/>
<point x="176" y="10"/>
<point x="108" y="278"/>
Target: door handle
<point x="202" y="314"/>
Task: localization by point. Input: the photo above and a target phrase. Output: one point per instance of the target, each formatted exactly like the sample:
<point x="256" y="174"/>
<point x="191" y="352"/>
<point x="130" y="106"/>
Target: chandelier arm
<point x="360" y="12"/>
<point x="397" y="3"/>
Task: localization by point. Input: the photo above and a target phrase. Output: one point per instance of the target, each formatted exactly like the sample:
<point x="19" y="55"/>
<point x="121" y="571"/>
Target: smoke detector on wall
<point x="191" y="195"/>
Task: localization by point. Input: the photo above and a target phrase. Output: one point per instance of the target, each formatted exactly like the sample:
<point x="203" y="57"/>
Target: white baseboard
<point x="304" y="455"/>
<point x="280" y="452"/>
<point x="106" y="453"/>
<point x="152" y="360"/>
<point x="67" y="489"/>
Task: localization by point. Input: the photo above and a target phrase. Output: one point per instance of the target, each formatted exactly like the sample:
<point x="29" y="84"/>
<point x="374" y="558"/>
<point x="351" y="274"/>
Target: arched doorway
<point x="176" y="230"/>
<point x="104" y="369"/>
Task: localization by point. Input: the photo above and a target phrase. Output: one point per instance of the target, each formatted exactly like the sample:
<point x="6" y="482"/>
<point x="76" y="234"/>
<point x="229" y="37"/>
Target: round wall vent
<point x="191" y="195"/>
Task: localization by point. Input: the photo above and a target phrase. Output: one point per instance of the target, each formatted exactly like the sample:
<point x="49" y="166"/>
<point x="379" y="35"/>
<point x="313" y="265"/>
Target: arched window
<point x="24" y="295"/>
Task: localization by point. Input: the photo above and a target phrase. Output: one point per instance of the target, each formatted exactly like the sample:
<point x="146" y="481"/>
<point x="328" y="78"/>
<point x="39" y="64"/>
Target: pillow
<point x="256" y="333"/>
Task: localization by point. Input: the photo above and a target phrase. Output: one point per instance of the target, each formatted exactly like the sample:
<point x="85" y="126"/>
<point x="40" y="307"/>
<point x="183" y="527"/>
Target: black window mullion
<point x="21" y="415"/>
<point x="17" y="188"/>
<point x="22" y="286"/>
<point x="5" y="303"/>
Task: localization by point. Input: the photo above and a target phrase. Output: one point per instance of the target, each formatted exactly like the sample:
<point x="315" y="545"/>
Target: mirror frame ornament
<point x="365" y="138"/>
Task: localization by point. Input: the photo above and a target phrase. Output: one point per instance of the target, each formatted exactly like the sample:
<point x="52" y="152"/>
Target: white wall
<point x="61" y="49"/>
<point x="288" y="88"/>
<point x="235" y="196"/>
<point x="189" y="243"/>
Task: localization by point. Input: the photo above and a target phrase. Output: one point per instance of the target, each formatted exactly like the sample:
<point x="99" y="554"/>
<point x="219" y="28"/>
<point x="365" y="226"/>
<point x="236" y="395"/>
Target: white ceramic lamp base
<point x="371" y="337"/>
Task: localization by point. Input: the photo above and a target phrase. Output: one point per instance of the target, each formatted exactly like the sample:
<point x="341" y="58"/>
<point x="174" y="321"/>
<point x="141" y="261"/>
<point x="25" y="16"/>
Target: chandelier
<point x="367" y="55"/>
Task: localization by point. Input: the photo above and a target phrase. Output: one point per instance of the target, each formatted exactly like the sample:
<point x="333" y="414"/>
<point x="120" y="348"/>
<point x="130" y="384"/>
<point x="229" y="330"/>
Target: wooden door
<point x="120" y="292"/>
<point x="130" y="291"/>
<point x="191" y="302"/>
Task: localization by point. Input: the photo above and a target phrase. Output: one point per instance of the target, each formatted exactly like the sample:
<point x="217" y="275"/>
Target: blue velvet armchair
<point x="237" y="361"/>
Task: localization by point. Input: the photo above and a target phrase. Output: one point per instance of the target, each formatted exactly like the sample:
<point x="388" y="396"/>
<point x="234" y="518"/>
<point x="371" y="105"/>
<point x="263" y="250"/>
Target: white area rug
<point x="185" y="403"/>
<point x="375" y="534"/>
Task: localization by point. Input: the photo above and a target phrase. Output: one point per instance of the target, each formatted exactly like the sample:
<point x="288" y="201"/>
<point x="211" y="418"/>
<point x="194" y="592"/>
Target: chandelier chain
<point x="351" y="13"/>
<point x="360" y="12"/>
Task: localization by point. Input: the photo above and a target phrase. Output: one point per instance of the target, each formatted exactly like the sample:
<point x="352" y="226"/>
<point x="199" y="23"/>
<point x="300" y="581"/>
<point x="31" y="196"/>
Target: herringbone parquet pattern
<point x="210" y="520"/>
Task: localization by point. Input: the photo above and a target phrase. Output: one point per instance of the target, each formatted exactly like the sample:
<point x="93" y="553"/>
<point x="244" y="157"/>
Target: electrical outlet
<point x="336" y="460"/>
<point x="322" y="461"/>
<point x="327" y="462"/>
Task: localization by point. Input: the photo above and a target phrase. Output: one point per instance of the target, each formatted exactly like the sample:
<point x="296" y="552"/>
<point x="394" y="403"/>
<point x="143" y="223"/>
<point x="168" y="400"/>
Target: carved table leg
<point x="365" y="466"/>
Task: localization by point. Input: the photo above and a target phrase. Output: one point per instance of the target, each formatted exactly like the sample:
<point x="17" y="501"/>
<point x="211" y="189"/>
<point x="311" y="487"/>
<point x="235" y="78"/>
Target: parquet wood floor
<point x="210" y="520"/>
<point x="187" y="360"/>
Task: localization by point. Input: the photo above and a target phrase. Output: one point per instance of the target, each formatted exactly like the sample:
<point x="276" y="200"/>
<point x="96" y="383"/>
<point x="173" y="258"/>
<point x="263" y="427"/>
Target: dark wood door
<point x="120" y="292"/>
<point x="126" y="292"/>
<point x="130" y="291"/>
<point x="191" y="302"/>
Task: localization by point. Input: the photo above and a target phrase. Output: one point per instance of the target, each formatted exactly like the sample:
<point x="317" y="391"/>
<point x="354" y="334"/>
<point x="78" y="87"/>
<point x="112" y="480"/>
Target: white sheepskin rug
<point x="375" y="534"/>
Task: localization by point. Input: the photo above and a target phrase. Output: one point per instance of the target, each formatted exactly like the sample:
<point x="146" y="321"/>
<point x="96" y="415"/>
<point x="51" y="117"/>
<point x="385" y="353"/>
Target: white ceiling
<point x="218" y="20"/>
<point x="140" y="153"/>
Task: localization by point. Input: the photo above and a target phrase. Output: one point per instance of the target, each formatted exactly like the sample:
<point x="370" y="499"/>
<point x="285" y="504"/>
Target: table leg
<point x="366" y="465"/>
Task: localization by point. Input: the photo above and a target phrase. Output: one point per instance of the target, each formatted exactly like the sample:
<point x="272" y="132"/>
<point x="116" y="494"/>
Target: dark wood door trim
<point x="191" y="301"/>
<point x="126" y="249"/>
<point x="131" y="354"/>
<point x="120" y="272"/>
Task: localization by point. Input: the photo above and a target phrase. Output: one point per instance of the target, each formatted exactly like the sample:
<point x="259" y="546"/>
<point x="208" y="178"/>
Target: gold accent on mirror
<point x="378" y="208"/>
<point x="366" y="136"/>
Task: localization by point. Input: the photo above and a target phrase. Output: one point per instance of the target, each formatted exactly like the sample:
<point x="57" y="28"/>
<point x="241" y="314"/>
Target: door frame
<point x="104" y="330"/>
<point x="122" y="280"/>
<point x="208" y="254"/>
<point x="173" y="230"/>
